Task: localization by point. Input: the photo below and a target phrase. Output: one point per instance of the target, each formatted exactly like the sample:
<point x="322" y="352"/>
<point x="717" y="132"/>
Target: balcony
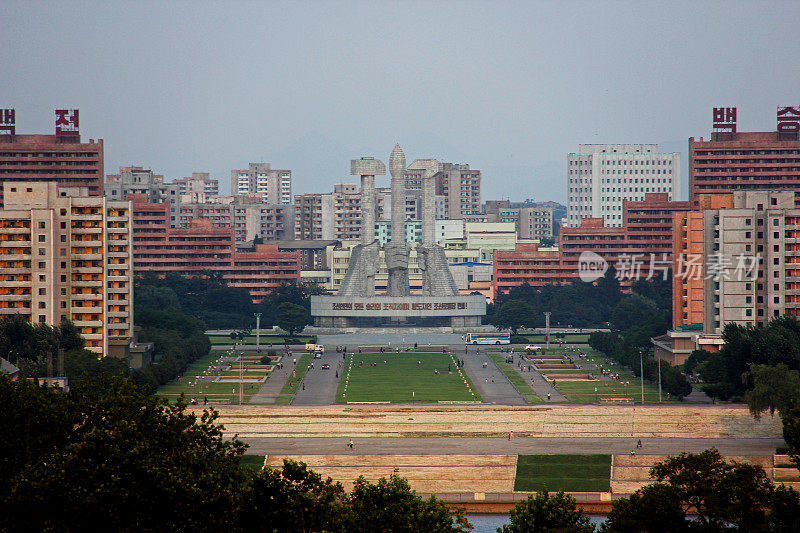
<point x="88" y="324"/>
<point x="88" y="257"/>
<point x="119" y="278"/>
<point x="13" y="257"/>
<point x="116" y="219"/>
<point x="84" y="309"/>
<point x="118" y="290"/>
<point x="118" y="254"/>
<point x="85" y="231"/>
<point x="15" y="244"/>
<point x="15" y="297"/>
<point x="118" y="314"/>
<point x="86" y="297"/>
<point x="87" y="283"/>
<point x="87" y="270"/>
<point x="87" y="244"/>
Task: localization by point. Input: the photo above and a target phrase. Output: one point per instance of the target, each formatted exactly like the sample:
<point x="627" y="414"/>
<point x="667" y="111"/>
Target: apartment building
<point x="531" y="222"/>
<point x="201" y="247"/>
<point x="737" y="260"/>
<point x="601" y="176"/>
<point x="60" y="158"/>
<point x="271" y="185"/>
<point x="198" y="183"/>
<point x="67" y="255"/>
<point x="142" y="181"/>
<point x="460" y="188"/>
<point x="744" y="161"/>
<point x="247" y="215"/>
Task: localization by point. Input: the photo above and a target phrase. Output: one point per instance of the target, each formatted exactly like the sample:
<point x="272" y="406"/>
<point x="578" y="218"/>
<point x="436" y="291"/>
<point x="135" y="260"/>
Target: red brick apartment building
<point x="646" y="234"/>
<point x="200" y="247"/>
<point x="62" y="157"/>
<point x="744" y="161"/>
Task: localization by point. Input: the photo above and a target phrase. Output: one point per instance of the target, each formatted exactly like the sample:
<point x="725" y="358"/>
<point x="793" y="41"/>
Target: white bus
<point x="488" y="338"/>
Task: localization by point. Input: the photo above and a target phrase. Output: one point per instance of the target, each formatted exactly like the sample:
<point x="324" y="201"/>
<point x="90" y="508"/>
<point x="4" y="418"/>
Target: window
<point x="42" y="238"/>
<point x="42" y="225"/>
<point x="42" y="319"/>
<point x="775" y="222"/>
<point x="42" y="251"/>
<point x="42" y="264"/>
<point x="42" y="305"/>
<point x="42" y="277"/>
<point x="776" y="287"/>
<point x="63" y="264"/>
<point x="63" y="278"/>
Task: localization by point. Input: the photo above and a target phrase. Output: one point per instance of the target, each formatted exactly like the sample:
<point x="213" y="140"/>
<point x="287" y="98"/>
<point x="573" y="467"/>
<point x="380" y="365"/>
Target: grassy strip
<point x="255" y="462"/>
<point x="514" y="377"/>
<point x="276" y="340"/>
<point x="299" y="371"/>
<point x="577" y="473"/>
<point x="570" y="338"/>
<point x="404" y="378"/>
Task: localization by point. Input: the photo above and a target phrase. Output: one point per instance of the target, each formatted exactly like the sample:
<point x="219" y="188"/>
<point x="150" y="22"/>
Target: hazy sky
<point x="508" y="87"/>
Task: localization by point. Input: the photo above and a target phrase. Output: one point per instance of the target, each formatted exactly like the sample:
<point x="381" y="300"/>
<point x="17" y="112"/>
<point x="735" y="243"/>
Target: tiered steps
<point x="425" y="473"/>
<point x="488" y="421"/>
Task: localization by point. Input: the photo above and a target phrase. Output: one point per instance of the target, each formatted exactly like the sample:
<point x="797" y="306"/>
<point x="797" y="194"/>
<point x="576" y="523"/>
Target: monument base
<point x="397" y="311"/>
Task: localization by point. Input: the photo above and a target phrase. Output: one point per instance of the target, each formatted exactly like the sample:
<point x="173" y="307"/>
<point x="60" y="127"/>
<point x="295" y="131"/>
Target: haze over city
<point x="508" y="87"/>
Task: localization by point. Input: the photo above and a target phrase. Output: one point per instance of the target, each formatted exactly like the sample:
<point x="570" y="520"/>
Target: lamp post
<point x="641" y="371"/>
<point x="659" y="379"/>
<point x="258" y="332"/>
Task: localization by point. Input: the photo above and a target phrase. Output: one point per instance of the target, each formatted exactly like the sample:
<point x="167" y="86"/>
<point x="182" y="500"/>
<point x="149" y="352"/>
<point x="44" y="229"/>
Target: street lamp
<point x="258" y="332"/>
<point x="641" y="371"/>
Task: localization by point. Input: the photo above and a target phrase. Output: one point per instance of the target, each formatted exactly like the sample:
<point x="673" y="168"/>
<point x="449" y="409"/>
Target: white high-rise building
<point x="273" y="186"/>
<point x="601" y="176"/>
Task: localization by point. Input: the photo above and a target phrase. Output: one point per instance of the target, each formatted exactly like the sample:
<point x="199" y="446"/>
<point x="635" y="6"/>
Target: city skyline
<point x="508" y="88"/>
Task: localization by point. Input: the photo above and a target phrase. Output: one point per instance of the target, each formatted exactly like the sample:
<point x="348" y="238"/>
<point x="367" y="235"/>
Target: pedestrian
<point x="510" y="435"/>
<point x="205" y="402"/>
<point x="639" y="443"/>
<point x="492" y="379"/>
<point x="350" y="444"/>
<point x="548" y="396"/>
<point x="304" y="385"/>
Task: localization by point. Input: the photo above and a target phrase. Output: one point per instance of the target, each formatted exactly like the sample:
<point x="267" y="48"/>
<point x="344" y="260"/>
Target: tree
<point x="391" y="506"/>
<point x="771" y="388"/>
<point x="721" y="493"/>
<point x="726" y="496"/>
<point x="513" y="314"/>
<point x="128" y="462"/>
<point x="655" y="508"/>
<point x="293" y="499"/>
<point x="546" y="513"/>
<point x="292" y="318"/>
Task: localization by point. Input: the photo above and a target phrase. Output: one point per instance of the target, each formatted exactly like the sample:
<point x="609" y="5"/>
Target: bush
<point x="519" y="339"/>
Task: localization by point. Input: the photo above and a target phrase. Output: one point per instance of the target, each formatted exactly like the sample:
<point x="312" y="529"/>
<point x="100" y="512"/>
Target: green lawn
<point x="576" y="473"/>
<point x="396" y="379"/>
<point x="515" y="378"/>
<point x="299" y="371"/>
<point x="265" y="340"/>
<point x="583" y="391"/>
<point x="256" y="462"/>
<point x="214" y="391"/>
<point x="570" y="338"/>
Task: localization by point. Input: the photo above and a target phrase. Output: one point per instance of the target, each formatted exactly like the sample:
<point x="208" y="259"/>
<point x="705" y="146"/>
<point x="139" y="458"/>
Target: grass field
<point x="299" y="371"/>
<point x="577" y="473"/>
<point x="583" y="391"/>
<point x="516" y="379"/>
<point x="569" y="338"/>
<point x="225" y="392"/>
<point x="265" y="340"/>
<point x="256" y="462"/>
<point x="399" y="376"/>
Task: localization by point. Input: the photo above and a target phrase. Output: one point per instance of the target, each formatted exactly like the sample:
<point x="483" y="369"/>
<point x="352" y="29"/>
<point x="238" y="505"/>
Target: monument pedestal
<point x="377" y="311"/>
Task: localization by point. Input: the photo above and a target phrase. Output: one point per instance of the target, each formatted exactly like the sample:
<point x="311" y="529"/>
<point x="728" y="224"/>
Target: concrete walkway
<point x="271" y="388"/>
<point x="493" y="386"/>
<point x="539" y="385"/>
<point x="319" y="386"/>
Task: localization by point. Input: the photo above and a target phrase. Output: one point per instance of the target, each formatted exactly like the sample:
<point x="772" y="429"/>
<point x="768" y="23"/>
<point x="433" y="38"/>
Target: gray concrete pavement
<point x="319" y="386"/>
<point x="493" y="386"/>
<point x="502" y="446"/>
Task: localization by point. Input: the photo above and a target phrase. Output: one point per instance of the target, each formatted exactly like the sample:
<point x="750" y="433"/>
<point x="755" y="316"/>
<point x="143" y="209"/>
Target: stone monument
<point x="356" y="303"/>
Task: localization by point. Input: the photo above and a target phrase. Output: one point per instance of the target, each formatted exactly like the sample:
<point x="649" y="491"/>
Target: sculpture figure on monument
<point x="359" y="280"/>
<point x="397" y="251"/>
<point x="437" y="280"/>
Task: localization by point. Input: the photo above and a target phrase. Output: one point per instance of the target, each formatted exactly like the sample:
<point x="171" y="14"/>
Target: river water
<point x="488" y="523"/>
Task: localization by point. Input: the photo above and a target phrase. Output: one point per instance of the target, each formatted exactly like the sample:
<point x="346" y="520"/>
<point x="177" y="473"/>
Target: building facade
<point x="201" y="247"/>
<point x="142" y="181"/>
<point x="246" y="215"/>
<point x="63" y="159"/>
<point x="460" y="188"/>
<point x="66" y="255"/>
<point x="271" y="185"/>
<point x="198" y="183"/>
<point x="744" y="162"/>
<point x="601" y="176"/>
<point x="736" y="260"/>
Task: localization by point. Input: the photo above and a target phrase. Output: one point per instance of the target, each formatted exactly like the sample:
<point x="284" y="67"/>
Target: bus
<point x="488" y="338"/>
